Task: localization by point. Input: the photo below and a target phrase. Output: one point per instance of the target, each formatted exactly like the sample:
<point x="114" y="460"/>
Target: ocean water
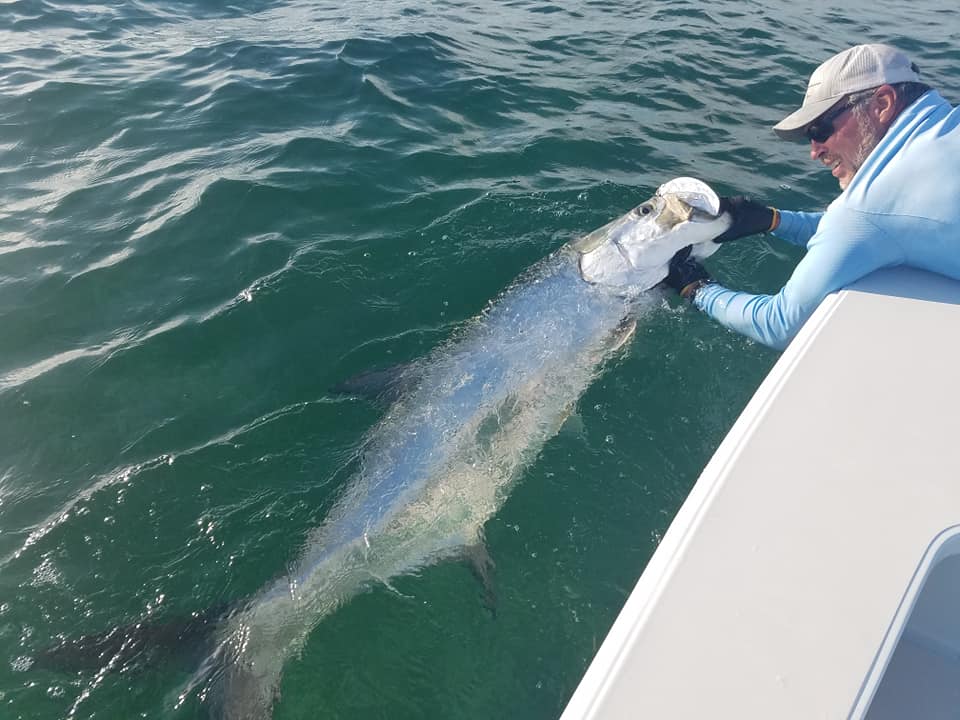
<point x="210" y="214"/>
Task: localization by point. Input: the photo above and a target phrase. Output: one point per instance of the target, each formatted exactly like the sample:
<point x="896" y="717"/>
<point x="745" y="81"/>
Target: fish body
<point x="443" y="459"/>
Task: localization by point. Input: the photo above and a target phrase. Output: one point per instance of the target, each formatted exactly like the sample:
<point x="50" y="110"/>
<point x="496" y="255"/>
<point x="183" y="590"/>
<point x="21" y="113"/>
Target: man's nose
<point x="816" y="149"/>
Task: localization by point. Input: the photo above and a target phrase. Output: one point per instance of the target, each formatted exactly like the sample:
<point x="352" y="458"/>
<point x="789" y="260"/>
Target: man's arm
<point x="837" y="254"/>
<point x="797" y="228"/>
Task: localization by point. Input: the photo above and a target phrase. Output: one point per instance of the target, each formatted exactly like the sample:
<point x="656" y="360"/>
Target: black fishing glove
<point x="749" y="218"/>
<point x="686" y="274"/>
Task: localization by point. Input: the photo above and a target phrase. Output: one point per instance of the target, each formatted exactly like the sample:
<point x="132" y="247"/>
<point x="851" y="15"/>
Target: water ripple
<point x="129" y="473"/>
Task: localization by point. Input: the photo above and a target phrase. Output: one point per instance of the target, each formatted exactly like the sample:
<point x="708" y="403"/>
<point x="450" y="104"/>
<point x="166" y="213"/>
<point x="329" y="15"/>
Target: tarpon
<point x="475" y="412"/>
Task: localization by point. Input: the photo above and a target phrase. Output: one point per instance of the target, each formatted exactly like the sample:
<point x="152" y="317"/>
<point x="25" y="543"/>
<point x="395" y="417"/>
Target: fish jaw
<point x="634" y="251"/>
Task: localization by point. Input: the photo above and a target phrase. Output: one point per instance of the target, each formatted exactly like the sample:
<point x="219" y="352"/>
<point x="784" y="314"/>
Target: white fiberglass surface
<point x="922" y="677"/>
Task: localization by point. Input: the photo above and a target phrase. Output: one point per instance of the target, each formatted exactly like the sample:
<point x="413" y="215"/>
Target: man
<point x="894" y="146"/>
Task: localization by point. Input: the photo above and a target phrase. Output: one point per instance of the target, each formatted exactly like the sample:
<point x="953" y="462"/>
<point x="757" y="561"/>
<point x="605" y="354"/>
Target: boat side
<point x="784" y="583"/>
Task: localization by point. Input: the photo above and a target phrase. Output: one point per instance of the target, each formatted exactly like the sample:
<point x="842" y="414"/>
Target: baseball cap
<point x="861" y="67"/>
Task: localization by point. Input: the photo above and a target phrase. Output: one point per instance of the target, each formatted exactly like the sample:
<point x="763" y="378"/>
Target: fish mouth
<point x="676" y="210"/>
<point x="702" y="216"/>
<point x="695" y="194"/>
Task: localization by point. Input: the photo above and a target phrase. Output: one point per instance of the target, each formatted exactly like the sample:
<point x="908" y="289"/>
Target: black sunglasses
<point x="822" y="128"/>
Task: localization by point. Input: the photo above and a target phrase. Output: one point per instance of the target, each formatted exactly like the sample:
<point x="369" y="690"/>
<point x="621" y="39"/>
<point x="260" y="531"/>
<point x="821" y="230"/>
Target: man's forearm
<point x="797" y="227"/>
<point x="764" y="318"/>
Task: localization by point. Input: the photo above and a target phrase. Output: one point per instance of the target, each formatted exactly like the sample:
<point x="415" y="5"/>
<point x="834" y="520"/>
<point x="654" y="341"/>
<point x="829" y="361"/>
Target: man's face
<point x="856" y="133"/>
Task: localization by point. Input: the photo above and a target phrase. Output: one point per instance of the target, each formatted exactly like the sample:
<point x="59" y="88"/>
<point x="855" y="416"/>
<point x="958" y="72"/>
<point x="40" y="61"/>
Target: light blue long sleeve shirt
<point x="901" y="208"/>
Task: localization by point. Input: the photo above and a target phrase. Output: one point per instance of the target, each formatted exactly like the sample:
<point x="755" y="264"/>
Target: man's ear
<point x="885" y="104"/>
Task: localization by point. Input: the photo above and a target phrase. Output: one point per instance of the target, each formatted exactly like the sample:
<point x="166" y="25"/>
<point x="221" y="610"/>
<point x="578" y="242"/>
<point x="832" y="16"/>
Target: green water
<point x="211" y="214"/>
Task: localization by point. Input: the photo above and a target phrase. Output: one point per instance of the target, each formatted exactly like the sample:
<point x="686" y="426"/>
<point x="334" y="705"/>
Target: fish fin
<point x="392" y="588"/>
<point x="571" y="422"/>
<point x="133" y="646"/>
<point x="382" y="385"/>
<point x="482" y="566"/>
<point x="624" y="333"/>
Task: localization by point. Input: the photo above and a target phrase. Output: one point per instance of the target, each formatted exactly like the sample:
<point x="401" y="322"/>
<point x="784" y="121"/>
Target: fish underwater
<point x="470" y="417"/>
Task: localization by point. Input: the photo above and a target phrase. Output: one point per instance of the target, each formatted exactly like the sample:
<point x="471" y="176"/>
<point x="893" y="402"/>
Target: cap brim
<point x="793" y="125"/>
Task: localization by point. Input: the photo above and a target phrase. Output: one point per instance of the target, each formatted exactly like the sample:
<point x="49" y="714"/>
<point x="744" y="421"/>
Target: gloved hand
<point x="686" y="274"/>
<point x="749" y="218"/>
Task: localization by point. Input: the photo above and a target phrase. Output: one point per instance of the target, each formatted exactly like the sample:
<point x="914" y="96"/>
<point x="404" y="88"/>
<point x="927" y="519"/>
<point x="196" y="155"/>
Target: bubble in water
<point x="46" y="573"/>
<point x="21" y="664"/>
<point x="55" y="691"/>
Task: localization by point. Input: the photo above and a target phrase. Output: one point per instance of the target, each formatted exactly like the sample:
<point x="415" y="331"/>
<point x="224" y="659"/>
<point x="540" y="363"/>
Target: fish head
<point x="634" y="251"/>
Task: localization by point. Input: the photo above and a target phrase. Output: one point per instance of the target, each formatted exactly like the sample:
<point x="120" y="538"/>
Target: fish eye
<point x="644" y="209"/>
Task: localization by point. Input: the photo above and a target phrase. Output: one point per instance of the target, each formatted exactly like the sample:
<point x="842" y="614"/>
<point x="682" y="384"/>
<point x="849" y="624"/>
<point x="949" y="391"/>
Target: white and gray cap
<point x="861" y="67"/>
